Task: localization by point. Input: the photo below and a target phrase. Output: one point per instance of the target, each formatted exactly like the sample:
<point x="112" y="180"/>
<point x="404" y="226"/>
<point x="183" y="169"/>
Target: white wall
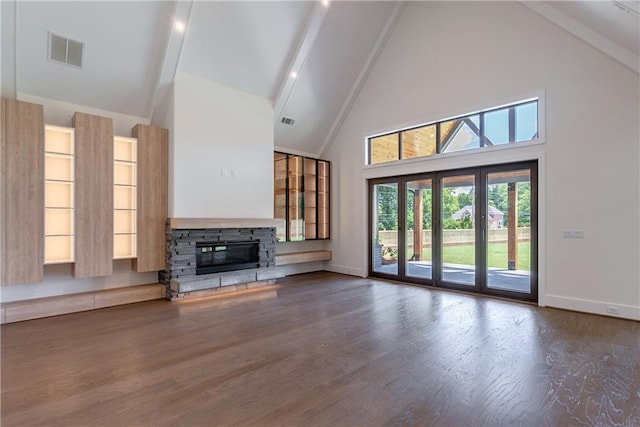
<point x="8" y="49"/>
<point x="61" y="114"/>
<point x="58" y="279"/>
<point x="222" y="151"/>
<point x="451" y="58"/>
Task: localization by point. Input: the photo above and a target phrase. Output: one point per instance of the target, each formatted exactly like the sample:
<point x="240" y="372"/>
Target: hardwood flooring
<point x="323" y="349"/>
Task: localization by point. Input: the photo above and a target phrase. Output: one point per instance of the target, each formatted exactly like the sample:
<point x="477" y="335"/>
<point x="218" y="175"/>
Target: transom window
<point x="510" y="124"/>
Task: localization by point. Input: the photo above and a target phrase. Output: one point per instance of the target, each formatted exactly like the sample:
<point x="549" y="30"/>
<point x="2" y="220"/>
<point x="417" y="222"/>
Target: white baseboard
<point x="343" y="269"/>
<point x="595" y="307"/>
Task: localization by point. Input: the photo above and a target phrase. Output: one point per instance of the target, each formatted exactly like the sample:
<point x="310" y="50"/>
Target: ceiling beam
<point x="308" y="38"/>
<point x="172" y="51"/>
<point x="362" y="77"/>
<point x="595" y="39"/>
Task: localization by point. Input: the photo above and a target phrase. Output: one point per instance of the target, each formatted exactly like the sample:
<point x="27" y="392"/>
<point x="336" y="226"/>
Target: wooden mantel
<point x="191" y="223"/>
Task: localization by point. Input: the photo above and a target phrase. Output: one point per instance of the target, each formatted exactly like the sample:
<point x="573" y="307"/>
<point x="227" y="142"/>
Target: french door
<point x="470" y="229"/>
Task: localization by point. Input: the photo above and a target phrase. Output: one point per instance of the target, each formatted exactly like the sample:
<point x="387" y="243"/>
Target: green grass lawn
<point x="497" y="254"/>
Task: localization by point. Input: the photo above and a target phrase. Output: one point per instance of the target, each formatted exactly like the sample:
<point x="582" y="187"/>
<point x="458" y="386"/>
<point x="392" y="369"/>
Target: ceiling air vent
<point x="287" y="121"/>
<point x="64" y="50"/>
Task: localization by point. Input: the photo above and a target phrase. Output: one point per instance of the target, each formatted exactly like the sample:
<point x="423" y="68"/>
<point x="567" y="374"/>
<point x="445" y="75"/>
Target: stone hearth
<point x="184" y="233"/>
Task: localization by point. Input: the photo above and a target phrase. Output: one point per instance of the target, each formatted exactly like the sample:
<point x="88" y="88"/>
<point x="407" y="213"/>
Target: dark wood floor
<point x="323" y="349"/>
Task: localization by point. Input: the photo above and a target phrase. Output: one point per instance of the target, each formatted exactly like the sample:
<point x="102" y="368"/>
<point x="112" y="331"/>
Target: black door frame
<point x="480" y="179"/>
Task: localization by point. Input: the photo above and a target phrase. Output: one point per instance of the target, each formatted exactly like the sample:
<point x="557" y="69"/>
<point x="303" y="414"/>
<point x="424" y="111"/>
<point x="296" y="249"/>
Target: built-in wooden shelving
<point x="124" y="197"/>
<point x="301" y="197"/>
<point x="59" y="195"/>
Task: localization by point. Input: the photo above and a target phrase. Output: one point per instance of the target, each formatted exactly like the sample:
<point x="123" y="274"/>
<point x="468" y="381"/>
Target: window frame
<point x="484" y="142"/>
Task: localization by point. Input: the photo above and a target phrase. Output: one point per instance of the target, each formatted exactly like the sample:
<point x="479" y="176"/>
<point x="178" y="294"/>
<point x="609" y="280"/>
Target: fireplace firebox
<point x="215" y="257"/>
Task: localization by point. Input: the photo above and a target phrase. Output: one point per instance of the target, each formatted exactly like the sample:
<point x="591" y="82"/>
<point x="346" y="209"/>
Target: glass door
<point x="458" y="219"/>
<point x="510" y="226"/>
<point x="470" y="229"/>
<point x="419" y="228"/>
<point x="384" y="226"/>
<point x="295" y="216"/>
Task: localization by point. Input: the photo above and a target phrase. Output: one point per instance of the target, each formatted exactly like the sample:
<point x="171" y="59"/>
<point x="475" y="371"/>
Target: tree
<point x="524" y="204"/>
<point x="387" y="207"/>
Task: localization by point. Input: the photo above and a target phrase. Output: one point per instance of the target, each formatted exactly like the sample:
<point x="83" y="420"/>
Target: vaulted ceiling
<point x="132" y="50"/>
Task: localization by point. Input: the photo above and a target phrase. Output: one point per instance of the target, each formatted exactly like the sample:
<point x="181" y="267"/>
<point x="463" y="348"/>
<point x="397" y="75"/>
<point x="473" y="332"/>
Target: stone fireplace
<point x="205" y="255"/>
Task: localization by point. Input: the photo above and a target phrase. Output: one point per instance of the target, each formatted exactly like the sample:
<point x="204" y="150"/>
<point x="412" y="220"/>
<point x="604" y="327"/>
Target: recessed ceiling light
<point x="325" y="3"/>
<point x="179" y="26"/>
<point x="293" y="74"/>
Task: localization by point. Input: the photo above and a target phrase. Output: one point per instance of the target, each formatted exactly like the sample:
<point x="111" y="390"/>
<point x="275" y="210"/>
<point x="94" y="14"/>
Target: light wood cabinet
<point x="94" y="166"/>
<point x="78" y="195"/>
<point x="152" y="197"/>
<point x="301" y="197"/>
<point x="22" y="192"/>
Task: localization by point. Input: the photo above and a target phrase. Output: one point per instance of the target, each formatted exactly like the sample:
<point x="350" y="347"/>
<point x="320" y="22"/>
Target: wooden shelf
<point x="304" y="184"/>
<point x="59" y="195"/>
<point x="125" y="154"/>
<point x="300" y="257"/>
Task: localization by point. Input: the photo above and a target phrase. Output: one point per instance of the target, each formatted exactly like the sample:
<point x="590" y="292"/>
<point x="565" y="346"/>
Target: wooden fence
<point x="389" y="239"/>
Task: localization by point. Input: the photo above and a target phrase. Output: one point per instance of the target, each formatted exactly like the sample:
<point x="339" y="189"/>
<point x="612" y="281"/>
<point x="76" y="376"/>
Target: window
<point x="301" y="197"/>
<point x="510" y="124"/>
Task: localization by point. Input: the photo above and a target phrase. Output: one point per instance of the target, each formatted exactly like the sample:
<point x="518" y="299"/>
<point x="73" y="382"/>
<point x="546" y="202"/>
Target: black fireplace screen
<point x="226" y="256"/>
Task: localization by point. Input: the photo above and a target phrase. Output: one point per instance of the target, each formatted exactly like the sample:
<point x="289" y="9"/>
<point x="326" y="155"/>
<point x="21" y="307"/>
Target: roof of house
<point x="468" y="210"/>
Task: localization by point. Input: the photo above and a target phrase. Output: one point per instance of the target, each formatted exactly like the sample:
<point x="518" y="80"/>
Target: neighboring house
<point x="496" y="217"/>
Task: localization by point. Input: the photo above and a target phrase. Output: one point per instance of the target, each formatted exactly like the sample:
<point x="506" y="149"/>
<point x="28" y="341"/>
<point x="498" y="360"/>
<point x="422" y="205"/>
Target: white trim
<point x="626" y="57"/>
<point x="595" y="307"/>
<point x="453" y="155"/>
<point x="343" y="269"/>
<point x="166" y="72"/>
<point x="458" y="160"/>
<point x="306" y="42"/>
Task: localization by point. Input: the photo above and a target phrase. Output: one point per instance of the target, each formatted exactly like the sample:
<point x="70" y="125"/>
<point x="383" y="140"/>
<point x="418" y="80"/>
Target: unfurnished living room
<point x="300" y="213"/>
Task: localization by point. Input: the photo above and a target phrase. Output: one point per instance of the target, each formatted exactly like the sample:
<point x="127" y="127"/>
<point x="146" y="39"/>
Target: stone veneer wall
<point x="180" y="273"/>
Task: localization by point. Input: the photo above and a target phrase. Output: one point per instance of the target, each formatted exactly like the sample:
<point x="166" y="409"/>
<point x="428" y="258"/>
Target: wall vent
<point x="287" y="121"/>
<point x="65" y="50"/>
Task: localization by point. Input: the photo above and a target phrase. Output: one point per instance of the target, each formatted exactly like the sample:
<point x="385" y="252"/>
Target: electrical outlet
<point x="612" y="309"/>
<point x="234" y="173"/>
<point x="573" y="234"/>
<point x="223" y="172"/>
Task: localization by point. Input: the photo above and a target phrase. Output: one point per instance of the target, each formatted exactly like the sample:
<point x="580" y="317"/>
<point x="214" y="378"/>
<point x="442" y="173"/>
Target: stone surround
<point x="180" y="274"/>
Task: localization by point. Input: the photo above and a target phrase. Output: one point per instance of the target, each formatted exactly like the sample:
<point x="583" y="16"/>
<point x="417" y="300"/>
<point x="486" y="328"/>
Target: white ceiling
<point x="131" y="51"/>
<point x="604" y="17"/>
<point x="124" y="49"/>
<point x="244" y="45"/>
<point x="332" y="66"/>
